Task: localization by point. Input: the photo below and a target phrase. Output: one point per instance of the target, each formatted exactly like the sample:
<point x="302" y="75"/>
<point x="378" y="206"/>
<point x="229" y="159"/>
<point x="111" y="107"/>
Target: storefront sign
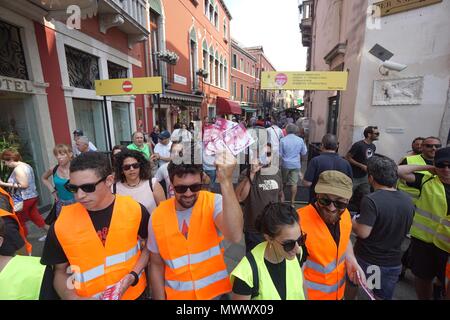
<point x="388" y="7"/>
<point x="311" y="80"/>
<point x="179" y="79"/>
<point x="130" y="86"/>
<point x="16" y="85"/>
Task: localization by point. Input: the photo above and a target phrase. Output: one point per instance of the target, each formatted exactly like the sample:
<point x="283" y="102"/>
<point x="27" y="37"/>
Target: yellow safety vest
<point x="21" y="279"/>
<point x="431" y="210"/>
<point x="442" y="236"/>
<point x="267" y="290"/>
<point x="401" y="184"/>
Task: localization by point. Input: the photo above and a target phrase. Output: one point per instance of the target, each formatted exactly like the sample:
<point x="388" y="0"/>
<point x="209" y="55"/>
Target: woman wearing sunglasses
<point x="133" y="178"/>
<point x="274" y="263"/>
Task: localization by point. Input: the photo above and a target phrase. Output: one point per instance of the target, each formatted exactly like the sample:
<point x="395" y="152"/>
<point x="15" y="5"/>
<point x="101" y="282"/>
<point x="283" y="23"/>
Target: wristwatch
<point x="136" y="278"/>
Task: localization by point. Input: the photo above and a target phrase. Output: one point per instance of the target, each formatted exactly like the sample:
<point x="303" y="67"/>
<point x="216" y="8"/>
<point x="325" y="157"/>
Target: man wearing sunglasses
<point x="98" y="237"/>
<point x="185" y="234"/>
<point x="430" y="232"/>
<point x="359" y="153"/>
<point x="328" y="225"/>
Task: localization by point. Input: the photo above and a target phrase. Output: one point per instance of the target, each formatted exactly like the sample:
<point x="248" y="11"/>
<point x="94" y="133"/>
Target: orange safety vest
<point x="11" y="214"/>
<point x="96" y="266"/>
<point x="325" y="266"/>
<point x="194" y="267"/>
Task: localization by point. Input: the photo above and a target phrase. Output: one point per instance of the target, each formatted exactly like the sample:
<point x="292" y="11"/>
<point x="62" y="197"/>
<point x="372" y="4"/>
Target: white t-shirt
<point x="141" y="193"/>
<point x="275" y="135"/>
<point x="163" y="174"/>
<point x="163" y="151"/>
<point x="184" y="217"/>
<point x="184" y="134"/>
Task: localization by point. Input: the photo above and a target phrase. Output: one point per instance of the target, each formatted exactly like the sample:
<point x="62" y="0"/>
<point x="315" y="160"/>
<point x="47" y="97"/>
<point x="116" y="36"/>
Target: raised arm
<point x="406" y="172"/>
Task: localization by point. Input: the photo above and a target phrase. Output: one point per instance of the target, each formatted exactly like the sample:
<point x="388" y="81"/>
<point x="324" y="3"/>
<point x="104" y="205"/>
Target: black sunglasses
<point x="437" y="146"/>
<point x="326" y="202"/>
<point x="127" y="167"/>
<point x="88" y="187"/>
<point x="442" y="165"/>
<point x="289" y="245"/>
<point x="193" y="187"/>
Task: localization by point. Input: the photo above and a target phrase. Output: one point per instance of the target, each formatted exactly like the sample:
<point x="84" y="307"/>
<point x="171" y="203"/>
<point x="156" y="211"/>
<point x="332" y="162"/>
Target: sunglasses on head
<point x="289" y="245"/>
<point x="326" y="202"/>
<point x="437" y="145"/>
<point x="127" y="167"/>
<point x="442" y="165"/>
<point x="193" y="187"/>
<point x="88" y="187"/>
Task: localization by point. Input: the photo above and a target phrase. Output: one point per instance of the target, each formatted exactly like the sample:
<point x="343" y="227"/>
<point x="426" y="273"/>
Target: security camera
<point x="391" y="65"/>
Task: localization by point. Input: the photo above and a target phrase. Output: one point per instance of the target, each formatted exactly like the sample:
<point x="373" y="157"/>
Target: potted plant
<point x="168" y="56"/>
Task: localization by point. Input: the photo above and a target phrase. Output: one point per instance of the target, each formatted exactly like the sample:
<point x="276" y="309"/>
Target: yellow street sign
<point x="309" y="80"/>
<point x="128" y="86"/>
<point x="388" y="7"/>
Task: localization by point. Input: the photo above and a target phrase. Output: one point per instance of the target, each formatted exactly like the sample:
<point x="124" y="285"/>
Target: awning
<point x="225" y="106"/>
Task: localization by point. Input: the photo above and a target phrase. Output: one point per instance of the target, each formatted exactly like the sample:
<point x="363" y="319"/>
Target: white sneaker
<point x="42" y="238"/>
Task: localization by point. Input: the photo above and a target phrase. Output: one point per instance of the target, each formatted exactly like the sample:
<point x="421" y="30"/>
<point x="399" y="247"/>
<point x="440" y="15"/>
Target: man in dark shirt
<point x="385" y="218"/>
<point x="359" y="153"/>
<point x="91" y="180"/>
<point x="13" y="242"/>
<point x="257" y="188"/>
<point x="327" y="160"/>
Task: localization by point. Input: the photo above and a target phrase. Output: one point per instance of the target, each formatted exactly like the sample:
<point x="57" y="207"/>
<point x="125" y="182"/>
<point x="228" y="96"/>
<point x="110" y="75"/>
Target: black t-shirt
<point x="419" y="182"/>
<point x="54" y="254"/>
<point x="390" y="214"/>
<point x="13" y="240"/>
<point x="361" y="152"/>
<point x="428" y="162"/>
<point x="325" y="161"/>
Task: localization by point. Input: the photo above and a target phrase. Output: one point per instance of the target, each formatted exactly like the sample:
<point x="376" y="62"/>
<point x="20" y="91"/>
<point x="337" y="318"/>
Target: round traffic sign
<point x="127" y="86"/>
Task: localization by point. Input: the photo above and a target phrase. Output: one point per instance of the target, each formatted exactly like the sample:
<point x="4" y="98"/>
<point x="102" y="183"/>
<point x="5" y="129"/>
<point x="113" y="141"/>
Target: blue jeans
<point x="388" y="279"/>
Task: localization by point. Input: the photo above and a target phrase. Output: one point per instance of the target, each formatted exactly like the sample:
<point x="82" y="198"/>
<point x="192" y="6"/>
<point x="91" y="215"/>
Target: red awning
<point x="225" y="106"/>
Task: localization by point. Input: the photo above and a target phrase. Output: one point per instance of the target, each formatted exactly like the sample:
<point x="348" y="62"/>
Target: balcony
<point x="306" y="13"/>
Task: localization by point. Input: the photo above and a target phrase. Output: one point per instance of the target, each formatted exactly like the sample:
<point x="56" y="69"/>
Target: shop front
<point x="178" y="107"/>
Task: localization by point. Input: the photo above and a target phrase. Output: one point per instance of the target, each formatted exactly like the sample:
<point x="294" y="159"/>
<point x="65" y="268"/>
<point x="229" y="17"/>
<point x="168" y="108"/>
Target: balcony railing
<point x="306" y="13"/>
<point x="135" y="9"/>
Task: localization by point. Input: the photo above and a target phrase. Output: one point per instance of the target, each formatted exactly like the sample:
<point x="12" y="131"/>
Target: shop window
<point x="89" y="117"/>
<point x="122" y="121"/>
<point x="116" y="71"/>
<point x="12" y="57"/>
<point x="82" y="67"/>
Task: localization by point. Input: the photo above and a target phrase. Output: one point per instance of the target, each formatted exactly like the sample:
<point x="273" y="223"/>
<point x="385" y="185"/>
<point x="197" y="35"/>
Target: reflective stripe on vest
<point x="198" y="284"/>
<point x="428" y="215"/>
<point x="422" y="227"/>
<point x="193" y="258"/>
<point x="325" y="270"/>
<point x="110" y="261"/>
<point x="325" y="288"/>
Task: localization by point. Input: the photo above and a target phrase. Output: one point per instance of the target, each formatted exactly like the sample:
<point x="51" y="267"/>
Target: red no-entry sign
<point x="127" y="86"/>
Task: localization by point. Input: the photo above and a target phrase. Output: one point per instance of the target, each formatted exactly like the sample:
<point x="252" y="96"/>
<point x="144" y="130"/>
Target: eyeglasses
<point x="127" y="167"/>
<point x="88" y="187"/>
<point x="289" y="245"/>
<point x="193" y="187"/>
<point x="442" y="165"/>
<point x="437" y="145"/>
<point x="326" y="202"/>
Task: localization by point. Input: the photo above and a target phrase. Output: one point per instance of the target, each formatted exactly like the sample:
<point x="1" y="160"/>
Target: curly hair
<point x="144" y="172"/>
<point x="275" y="216"/>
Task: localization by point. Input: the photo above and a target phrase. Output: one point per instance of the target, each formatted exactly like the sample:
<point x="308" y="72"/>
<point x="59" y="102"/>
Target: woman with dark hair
<point x="133" y="178"/>
<point x="272" y="270"/>
<point x="22" y="180"/>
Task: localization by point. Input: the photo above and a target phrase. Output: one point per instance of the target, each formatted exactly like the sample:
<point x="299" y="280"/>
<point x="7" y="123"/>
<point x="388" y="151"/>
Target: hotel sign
<point x="16" y="85"/>
<point x="389" y="7"/>
<point x="128" y="86"/>
<point x="309" y="80"/>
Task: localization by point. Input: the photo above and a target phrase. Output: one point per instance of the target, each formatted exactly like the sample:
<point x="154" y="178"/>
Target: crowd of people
<point x="149" y="222"/>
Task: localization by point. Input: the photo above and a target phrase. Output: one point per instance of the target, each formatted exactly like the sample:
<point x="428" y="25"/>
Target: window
<point x="116" y="71"/>
<point x="216" y="17"/>
<point x="207" y="8"/>
<point x="234" y="90"/>
<point x="205" y="60"/>
<point x="216" y="72"/>
<point x="193" y="62"/>
<point x="122" y="122"/>
<point x="242" y="92"/>
<point x="253" y="70"/>
<point x="211" y="66"/>
<point x="154" y="34"/>
<point x="241" y="67"/>
<point x="235" y="61"/>
<point x="89" y="118"/>
<point x="82" y="67"/>
<point x="12" y="57"/>
<point x="257" y="73"/>
<point x="225" y="29"/>
<point x="225" y="66"/>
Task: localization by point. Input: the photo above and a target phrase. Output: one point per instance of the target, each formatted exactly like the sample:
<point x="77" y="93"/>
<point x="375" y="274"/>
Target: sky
<point x="272" y="24"/>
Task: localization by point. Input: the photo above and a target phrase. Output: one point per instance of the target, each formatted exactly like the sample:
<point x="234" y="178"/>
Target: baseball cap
<point x="78" y="132"/>
<point x="442" y="155"/>
<point x="164" y="135"/>
<point x="335" y="183"/>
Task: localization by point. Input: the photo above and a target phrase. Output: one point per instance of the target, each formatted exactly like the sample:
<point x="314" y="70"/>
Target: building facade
<point x="197" y="35"/>
<point x="403" y="103"/>
<point x="52" y="54"/>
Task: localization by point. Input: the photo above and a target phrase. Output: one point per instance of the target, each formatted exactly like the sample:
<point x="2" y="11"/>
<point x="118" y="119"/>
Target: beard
<point x="187" y="202"/>
<point x="330" y="217"/>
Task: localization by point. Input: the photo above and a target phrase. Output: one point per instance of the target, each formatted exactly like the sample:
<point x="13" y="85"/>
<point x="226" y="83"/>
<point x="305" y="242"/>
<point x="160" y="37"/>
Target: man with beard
<point x="328" y="226"/>
<point x="187" y="261"/>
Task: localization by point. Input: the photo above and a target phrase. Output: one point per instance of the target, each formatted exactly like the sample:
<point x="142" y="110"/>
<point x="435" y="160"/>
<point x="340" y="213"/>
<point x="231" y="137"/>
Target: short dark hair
<point x="144" y="164"/>
<point x="369" y="130"/>
<point x="432" y="137"/>
<point x="96" y="161"/>
<point x="329" y="142"/>
<point x="2" y="228"/>
<point x="275" y="216"/>
<point x="383" y="170"/>
<point x="182" y="169"/>
<point x="418" y="138"/>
